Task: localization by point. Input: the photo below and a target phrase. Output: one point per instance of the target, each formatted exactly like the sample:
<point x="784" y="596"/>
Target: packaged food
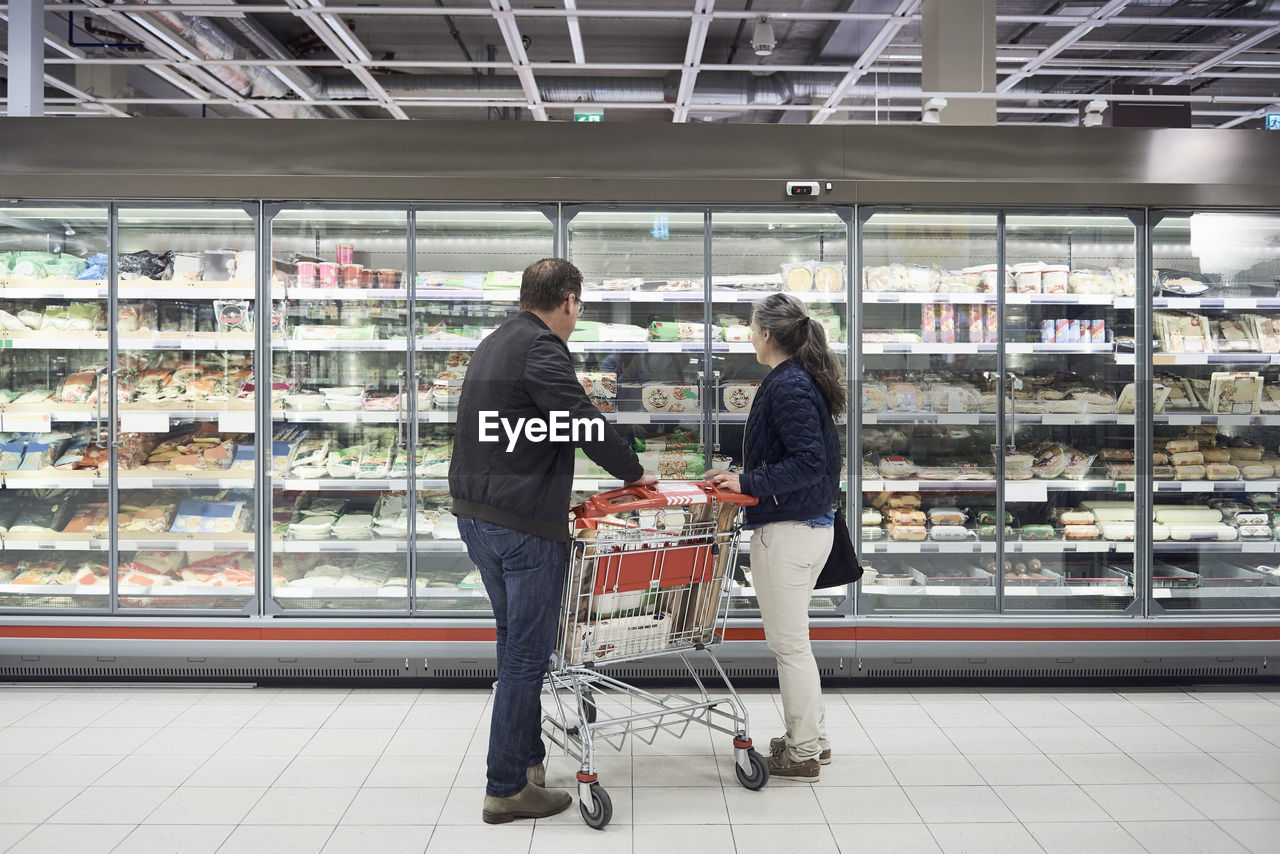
<point x="1050" y="462"/>
<point x="977" y="325"/>
<point x="907" y="533"/>
<point x="1222" y="471"/>
<point x="897" y="468"/>
<point x="1190" y="472"/>
<point x="874" y="397"/>
<point x="947" y="516"/>
<point x="906" y="517"/>
<point x="828" y="277"/>
<point x="946" y="323"/>
<point x="669" y="397"/>
<point x="1235" y="393"/>
<point x="1054" y="278"/>
<point x="1187" y="531"/>
<point x="797" y="277"/>
<point x="1081" y="532"/>
<point x="1216" y="455"/>
<point x="1076" y="517"/>
<point x="1037" y="532"/>
<point x="1188" y="458"/>
<point x="1027" y="278"/>
<point x="739" y="396"/>
<point x="1256" y="471"/>
<point x="1180" y="446"/>
<point x="928" y="323"/>
<point x="948" y="533"/>
<point x="988" y="517"/>
<point x="904" y="397"/>
<point x="871" y="518"/>
<point x="988" y="532"/>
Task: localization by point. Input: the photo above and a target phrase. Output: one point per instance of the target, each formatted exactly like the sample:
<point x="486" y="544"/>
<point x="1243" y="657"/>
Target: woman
<point x="791" y="462"/>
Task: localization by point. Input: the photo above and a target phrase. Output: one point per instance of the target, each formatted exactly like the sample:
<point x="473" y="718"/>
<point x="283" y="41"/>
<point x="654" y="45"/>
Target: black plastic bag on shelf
<point x="145" y="265"/>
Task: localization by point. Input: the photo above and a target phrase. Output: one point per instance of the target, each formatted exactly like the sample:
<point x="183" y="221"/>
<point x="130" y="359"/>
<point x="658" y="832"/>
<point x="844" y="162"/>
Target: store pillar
<point x="26" y="58"/>
<point x="959" y="56"/>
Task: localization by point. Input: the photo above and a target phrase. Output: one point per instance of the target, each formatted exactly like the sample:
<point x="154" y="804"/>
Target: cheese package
<point x="948" y="533"/>
<point x="1081" y="532"/>
<point x="1257" y="471"/>
<point x="1188" y="458"/>
<point x="1119" y="531"/>
<point x="1223" y="471"/>
<point x="1190" y="531"/>
<point x="1190" y="472"/>
<point x="1216" y="455"/>
<point x="1167" y="515"/>
<point x="947" y="516"/>
<point x="1181" y="446"/>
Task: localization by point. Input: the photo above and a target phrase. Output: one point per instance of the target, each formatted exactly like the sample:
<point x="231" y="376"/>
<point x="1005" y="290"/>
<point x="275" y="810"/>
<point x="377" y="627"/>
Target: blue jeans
<point x="523" y="575"/>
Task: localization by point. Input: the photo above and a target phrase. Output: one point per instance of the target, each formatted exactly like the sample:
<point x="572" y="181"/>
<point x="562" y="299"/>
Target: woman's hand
<point x="726" y="481"/>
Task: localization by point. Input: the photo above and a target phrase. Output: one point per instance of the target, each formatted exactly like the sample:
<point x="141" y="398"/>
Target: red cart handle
<point x="677" y="493"/>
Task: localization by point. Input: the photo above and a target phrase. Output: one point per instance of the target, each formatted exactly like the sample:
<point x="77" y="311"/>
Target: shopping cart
<point x="647" y="577"/>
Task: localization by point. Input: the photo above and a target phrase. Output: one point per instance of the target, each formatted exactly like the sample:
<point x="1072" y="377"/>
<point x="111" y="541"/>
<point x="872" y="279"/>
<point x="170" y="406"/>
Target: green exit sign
<point x="588" y="115"/>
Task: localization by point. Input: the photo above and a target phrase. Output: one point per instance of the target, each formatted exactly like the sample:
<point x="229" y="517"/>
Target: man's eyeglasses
<point x="581" y="305"/>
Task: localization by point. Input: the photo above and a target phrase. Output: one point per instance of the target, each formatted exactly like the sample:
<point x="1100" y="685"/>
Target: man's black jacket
<point x="523" y="370"/>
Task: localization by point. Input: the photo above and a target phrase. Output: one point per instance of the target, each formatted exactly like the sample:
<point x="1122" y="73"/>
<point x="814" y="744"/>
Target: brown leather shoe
<point x="781" y="765"/>
<point x="777" y="745"/>
<point x="531" y="802"/>
<point x="537" y="775"/>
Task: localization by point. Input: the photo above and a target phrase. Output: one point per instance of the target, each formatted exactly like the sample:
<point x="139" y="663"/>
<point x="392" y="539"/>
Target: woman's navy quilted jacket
<point x="791" y="451"/>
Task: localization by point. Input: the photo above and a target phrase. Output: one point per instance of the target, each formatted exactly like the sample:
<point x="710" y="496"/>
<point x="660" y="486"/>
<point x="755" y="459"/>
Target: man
<point x="510" y="483"/>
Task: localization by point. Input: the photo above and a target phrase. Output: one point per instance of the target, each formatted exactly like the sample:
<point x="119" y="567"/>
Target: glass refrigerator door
<point x="1069" y="357"/>
<point x="753" y="255"/>
<point x="469" y="266"/>
<point x="54" y="453"/>
<point x="930" y="519"/>
<point x="1216" y="324"/>
<point x="640" y="342"/>
<point x="339" y="408"/>
<point x="184" y="393"/>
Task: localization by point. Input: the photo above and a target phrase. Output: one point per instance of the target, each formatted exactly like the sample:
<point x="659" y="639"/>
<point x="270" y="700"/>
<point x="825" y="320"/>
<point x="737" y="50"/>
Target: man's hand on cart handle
<point x="645" y="480"/>
<point x="727" y="481"/>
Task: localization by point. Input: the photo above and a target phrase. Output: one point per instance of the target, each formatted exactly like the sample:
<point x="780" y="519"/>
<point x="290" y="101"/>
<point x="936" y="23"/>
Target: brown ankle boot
<point x="531" y="802"/>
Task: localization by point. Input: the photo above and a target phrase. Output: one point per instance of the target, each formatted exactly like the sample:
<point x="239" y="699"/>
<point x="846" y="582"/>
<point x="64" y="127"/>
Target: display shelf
<point x="1060" y="418"/>
<point x="988" y="592"/>
<point x="890" y="485"/>
<point x="461" y="345"/>
<point x="181" y="480"/>
<point x="1159" y="359"/>
<point x="394" y="592"/>
<point x="392" y="345"/>
<point x="329" y="294"/>
<point x="1068" y="546"/>
<point x="1236" y="303"/>
<point x="45" y="480"/>
<point x="1266" y="591"/>
<point x="967" y="547"/>
<point x="179" y="590"/>
<point x="232" y="289"/>
<point x="44" y="289"/>
<point x="914" y="298"/>
<point x="869" y="349"/>
<point x="1039" y="349"/>
<point x="56" y="542"/>
<point x="32" y="339"/>
<point x="422" y="294"/>
<point x="967" y="419"/>
<point x="99" y="590"/>
<point x="173" y="542"/>
<point x="372" y="545"/>
<point x="1216" y="485"/>
<point x="1192" y="419"/>
<point x="344" y="484"/>
<point x="1064" y="299"/>
<point x="185" y="341"/>
<point x="1229" y="547"/>
<point x="326" y="416"/>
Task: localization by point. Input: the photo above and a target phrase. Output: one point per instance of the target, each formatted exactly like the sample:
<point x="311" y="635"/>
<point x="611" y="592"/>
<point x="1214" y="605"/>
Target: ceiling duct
<point x="215" y="43"/>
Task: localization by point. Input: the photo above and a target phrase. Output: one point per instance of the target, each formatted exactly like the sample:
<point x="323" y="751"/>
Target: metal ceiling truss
<point x="215" y="81"/>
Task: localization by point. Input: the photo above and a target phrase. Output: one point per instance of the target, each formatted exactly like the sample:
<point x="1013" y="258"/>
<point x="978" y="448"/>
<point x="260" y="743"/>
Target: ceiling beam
<point x="49" y="80"/>
<point x="699" y="25"/>
<point x="575" y="33"/>
<point x="1079" y="31"/>
<point x="1228" y="54"/>
<point x="335" y="33"/>
<point x="506" y="20"/>
<point x="901" y="17"/>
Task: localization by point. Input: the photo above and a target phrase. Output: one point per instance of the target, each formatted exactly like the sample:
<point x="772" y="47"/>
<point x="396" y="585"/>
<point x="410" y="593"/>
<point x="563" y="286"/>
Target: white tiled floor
<point x="199" y="770"/>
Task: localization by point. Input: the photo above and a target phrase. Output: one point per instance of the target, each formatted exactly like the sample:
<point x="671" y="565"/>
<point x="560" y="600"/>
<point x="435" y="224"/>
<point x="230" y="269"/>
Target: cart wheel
<point x="589" y="705"/>
<point x="600" y="810"/>
<point x="759" y="771"/>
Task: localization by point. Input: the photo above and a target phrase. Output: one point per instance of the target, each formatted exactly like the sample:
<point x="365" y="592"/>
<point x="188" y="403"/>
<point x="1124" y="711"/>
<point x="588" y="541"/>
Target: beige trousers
<point x="786" y="558"/>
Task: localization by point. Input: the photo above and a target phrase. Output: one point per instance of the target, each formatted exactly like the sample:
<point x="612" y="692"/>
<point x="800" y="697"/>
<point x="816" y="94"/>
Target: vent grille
<point x="1058" y="672"/>
<point x="464" y="673"/>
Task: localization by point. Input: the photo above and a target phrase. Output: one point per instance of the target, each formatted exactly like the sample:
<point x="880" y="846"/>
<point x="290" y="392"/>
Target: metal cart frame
<point x="651" y="584"/>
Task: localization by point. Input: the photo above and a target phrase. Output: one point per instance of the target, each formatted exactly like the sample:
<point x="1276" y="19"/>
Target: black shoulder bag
<point x="842" y="565"/>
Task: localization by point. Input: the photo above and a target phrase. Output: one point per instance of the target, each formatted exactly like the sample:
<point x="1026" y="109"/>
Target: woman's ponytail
<point x="804" y="339"/>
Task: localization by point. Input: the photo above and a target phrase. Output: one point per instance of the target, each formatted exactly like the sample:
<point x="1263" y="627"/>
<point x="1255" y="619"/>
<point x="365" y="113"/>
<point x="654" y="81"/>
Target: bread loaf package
<point x="1222" y="471"/>
<point x="1257" y="471"/>
<point x="1188" y="458"/>
<point x="1189" y="472"/>
<point x="1216" y="455"/>
<point x="1181" y="446"/>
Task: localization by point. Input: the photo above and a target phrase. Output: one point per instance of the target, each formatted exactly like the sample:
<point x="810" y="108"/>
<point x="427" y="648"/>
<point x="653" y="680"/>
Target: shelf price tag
<point x="1030" y="491"/>
<point x="26" y="422"/>
<point x="144" y="422"/>
<point x="236" y="422"/>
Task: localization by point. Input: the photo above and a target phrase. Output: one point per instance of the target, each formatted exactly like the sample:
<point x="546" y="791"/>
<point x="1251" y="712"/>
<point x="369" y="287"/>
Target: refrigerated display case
<point x="1059" y="459"/>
